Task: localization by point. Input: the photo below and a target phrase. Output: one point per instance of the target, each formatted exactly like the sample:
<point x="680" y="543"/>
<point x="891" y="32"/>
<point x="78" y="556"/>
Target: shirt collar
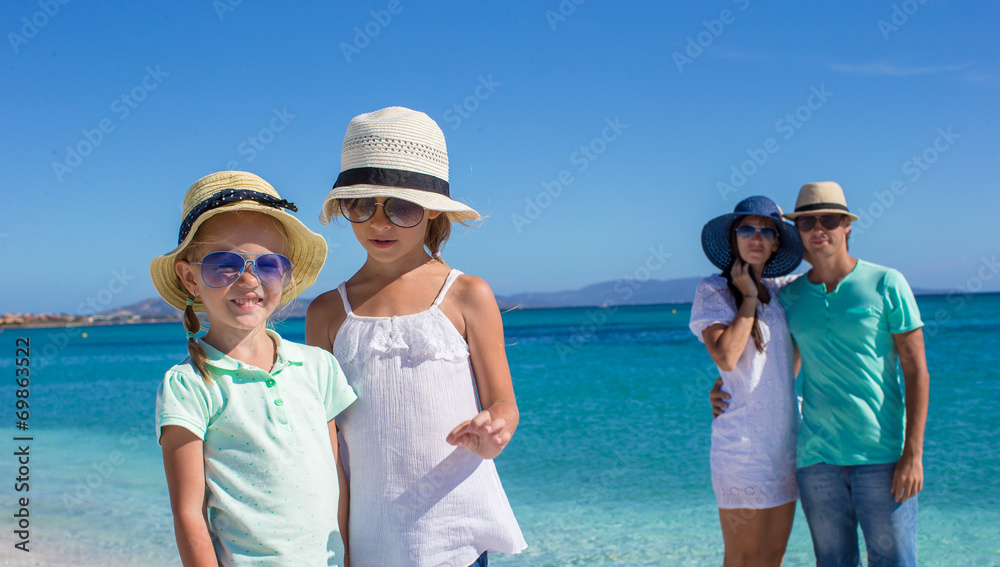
<point x="217" y="359"/>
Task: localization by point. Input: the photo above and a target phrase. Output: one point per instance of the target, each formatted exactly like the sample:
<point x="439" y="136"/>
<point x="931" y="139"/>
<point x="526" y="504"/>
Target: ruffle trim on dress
<point x="417" y="338"/>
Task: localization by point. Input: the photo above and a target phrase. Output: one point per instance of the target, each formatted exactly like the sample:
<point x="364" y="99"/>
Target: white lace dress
<point x="753" y="442"/>
<point x="415" y="499"/>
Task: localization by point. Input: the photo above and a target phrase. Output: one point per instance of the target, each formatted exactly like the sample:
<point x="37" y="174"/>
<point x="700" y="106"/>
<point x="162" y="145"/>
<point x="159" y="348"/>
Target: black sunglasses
<point x="403" y="214"/>
<point x="808" y="222"/>
<point x="747" y="231"/>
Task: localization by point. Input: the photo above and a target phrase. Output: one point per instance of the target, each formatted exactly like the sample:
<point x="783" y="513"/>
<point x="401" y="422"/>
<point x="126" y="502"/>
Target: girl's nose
<point x="379" y="219"/>
<point x="249" y="276"/>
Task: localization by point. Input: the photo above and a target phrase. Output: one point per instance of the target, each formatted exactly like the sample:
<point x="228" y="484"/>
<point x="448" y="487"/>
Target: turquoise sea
<point x="608" y="467"/>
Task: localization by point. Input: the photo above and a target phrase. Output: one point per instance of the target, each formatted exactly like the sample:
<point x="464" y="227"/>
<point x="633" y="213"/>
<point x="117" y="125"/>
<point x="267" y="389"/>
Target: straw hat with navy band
<point x="228" y="191"/>
<point x="715" y="237"/>
<point x="822" y="198"/>
<point x="395" y="152"/>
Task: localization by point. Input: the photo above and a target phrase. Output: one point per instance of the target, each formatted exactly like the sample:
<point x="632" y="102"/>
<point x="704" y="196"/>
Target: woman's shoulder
<point x="780" y="282"/>
<point x="712" y="284"/>
<point x="786" y="284"/>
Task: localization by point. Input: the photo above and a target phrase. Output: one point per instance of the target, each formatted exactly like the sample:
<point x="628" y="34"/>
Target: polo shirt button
<point x="278" y="402"/>
<point x="269" y="382"/>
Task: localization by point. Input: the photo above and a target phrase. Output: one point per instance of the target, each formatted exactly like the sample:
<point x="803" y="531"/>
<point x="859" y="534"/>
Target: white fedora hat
<point x="395" y="152"/>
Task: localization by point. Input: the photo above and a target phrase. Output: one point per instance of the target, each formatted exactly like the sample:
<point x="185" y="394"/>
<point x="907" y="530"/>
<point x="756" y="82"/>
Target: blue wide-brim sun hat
<point x="715" y="237"/>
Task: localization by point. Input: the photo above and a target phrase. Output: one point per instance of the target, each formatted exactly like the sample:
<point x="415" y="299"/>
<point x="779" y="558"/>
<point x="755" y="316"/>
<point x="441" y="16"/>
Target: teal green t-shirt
<point x="852" y="393"/>
<point x="272" y="489"/>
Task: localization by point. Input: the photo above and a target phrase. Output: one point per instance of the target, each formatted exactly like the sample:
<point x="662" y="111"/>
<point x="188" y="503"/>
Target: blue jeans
<point x="481" y="562"/>
<point x="836" y="499"/>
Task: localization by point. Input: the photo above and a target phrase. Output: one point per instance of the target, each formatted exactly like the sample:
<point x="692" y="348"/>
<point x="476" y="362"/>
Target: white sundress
<point x="415" y="499"/>
<point x="753" y="442"/>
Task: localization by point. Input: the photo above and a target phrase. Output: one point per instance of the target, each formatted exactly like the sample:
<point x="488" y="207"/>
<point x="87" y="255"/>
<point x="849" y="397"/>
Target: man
<point x="860" y="446"/>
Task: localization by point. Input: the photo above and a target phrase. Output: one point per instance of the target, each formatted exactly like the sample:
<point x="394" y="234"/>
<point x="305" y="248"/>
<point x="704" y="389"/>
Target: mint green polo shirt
<point x="852" y="391"/>
<point x="271" y="479"/>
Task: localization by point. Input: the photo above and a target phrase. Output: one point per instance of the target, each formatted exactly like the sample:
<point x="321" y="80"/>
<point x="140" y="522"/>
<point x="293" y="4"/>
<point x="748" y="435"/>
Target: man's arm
<point x="908" y="479"/>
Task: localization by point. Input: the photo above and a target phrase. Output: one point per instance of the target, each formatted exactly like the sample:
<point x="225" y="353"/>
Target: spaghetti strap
<point x="452" y="276"/>
<point x="342" y="288"/>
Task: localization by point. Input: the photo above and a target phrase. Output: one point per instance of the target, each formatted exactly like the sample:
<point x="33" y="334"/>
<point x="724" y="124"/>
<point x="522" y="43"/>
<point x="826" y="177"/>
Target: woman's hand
<point x="742" y="279"/>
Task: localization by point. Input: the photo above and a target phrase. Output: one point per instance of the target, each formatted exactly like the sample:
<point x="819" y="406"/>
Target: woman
<point x="737" y="316"/>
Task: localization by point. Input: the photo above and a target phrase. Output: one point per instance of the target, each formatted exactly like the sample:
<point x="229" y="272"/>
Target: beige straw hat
<point x="228" y="191"/>
<point x="395" y="152"/>
<point x="823" y="197"/>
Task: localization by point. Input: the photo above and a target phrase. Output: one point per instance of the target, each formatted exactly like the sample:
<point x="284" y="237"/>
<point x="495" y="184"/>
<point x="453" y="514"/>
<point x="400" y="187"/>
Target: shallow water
<point x="608" y="467"/>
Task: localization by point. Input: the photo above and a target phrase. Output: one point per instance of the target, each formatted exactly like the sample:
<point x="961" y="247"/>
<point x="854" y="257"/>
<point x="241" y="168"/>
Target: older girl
<point x="423" y="346"/>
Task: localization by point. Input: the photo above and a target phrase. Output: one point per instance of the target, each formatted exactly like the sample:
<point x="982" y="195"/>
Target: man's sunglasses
<point x="403" y="214"/>
<point x="747" y="231"/>
<point x="221" y="269"/>
<point x="808" y="222"/>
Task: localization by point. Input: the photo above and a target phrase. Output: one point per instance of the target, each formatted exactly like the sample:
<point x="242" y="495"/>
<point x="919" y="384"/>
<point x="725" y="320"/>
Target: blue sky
<point x="595" y="135"/>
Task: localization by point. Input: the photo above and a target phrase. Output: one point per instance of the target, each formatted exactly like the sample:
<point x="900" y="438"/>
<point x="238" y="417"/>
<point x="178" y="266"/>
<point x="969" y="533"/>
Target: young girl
<point x="738" y="317"/>
<point x="423" y="347"/>
<point x="246" y="422"/>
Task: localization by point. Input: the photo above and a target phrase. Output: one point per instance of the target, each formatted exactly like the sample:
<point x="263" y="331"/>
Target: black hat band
<point x="226" y="197"/>
<point x="385" y="177"/>
<point x="818" y="206"/>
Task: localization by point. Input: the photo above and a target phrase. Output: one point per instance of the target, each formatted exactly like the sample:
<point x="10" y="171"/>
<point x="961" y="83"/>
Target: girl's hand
<point x="742" y="279"/>
<point x="483" y="435"/>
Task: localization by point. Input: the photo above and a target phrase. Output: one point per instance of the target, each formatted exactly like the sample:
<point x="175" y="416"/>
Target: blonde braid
<point x="198" y="357"/>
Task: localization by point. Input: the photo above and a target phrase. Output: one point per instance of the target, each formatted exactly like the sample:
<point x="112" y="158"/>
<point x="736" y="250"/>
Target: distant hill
<point x="156" y="307"/>
<point x="615" y="292"/>
<point x="153" y="307"/>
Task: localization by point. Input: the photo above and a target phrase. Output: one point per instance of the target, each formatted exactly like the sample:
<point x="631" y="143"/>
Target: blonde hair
<point x="192" y="323"/>
<point x="438" y="232"/>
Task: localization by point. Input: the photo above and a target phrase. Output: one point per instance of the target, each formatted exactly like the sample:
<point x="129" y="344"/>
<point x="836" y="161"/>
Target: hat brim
<point x="457" y="212"/>
<point x="715" y="243"/>
<point x="793" y="215"/>
<point x="305" y="248"/>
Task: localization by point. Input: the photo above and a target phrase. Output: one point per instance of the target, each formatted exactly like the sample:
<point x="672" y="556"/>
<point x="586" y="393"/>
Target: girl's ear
<point x="188" y="278"/>
<point x="433" y="214"/>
